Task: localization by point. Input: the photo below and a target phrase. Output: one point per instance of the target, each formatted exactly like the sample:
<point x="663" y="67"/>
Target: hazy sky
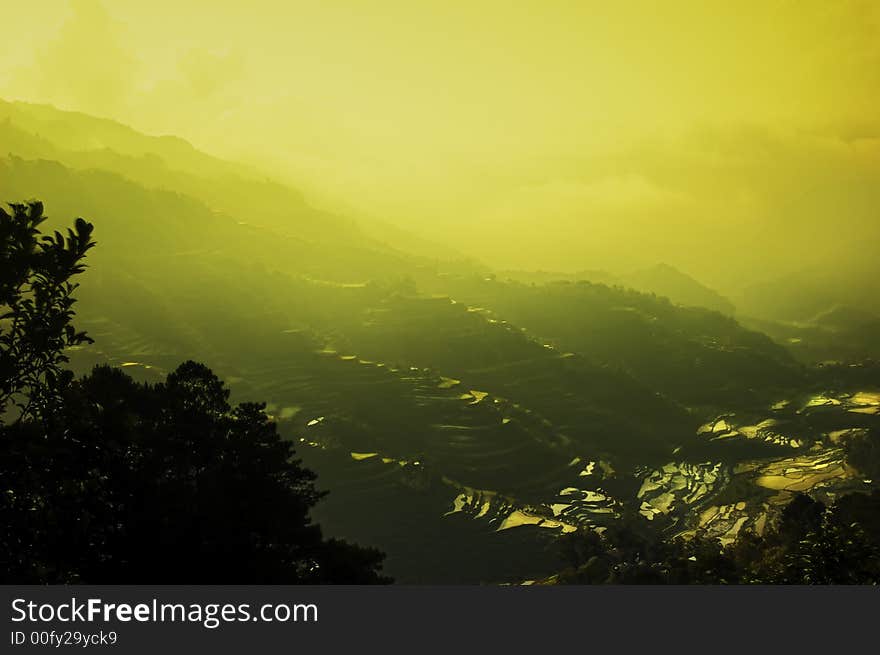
<point x="690" y="128"/>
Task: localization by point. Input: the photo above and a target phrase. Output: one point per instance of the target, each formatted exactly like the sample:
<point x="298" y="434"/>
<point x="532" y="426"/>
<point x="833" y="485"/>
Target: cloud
<point x="208" y="72"/>
<point x="610" y="194"/>
<point x="86" y="66"/>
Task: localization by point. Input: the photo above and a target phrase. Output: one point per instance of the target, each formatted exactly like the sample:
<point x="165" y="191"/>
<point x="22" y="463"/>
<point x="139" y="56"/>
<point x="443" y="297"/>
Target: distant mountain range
<point x="660" y="279"/>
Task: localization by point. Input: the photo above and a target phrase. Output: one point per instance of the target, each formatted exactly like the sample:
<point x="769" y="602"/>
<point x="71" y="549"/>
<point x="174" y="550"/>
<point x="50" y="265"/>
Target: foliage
<point x="163" y="483"/>
<point x="36" y="301"/>
<point x="114" y="481"/>
<point x="863" y="453"/>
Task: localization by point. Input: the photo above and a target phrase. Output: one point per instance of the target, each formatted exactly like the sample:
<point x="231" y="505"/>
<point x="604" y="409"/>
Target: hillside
<point x="440" y="402"/>
<point x="660" y="279"/>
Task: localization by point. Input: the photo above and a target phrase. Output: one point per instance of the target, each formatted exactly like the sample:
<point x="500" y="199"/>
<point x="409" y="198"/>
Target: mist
<point x="556" y="136"/>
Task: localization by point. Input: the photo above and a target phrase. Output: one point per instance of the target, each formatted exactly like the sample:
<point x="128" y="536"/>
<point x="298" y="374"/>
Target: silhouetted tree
<point x="36" y="306"/>
<point x="105" y="480"/>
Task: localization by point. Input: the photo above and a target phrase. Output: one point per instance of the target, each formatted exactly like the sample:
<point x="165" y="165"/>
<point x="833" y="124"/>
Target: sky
<point x="536" y="134"/>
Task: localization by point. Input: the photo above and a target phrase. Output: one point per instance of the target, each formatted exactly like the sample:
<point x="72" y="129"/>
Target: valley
<point x="462" y="419"/>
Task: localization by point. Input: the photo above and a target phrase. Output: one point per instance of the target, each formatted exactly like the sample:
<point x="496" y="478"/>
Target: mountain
<point x="462" y="418"/>
<point x="691" y="354"/>
<point x="665" y="280"/>
<point x="802" y="295"/>
<point x="83" y="143"/>
<point x="841" y="333"/>
<point x="661" y="280"/>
